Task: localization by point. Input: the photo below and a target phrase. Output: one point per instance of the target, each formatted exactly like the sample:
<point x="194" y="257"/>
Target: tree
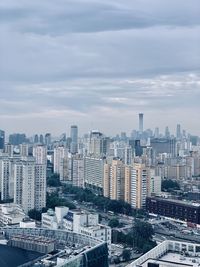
<point x="54" y="180"/>
<point x="35" y="214"/>
<point x="126" y="254"/>
<point x="113" y="223"/>
<point x="169" y="185"/>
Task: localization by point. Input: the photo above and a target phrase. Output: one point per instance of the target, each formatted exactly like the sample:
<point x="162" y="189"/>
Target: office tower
<point x="167" y="132"/>
<point x="141" y="115"/>
<point x="60" y="154"/>
<point x="96" y="144"/>
<point x="114" y="179"/>
<point x="164" y="145"/>
<point x="139" y="185"/>
<point x="74" y="137"/>
<point x="2" y="139"/>
<point x="47" y="139"/>
<point x="4" y="177"/>
<point x="36" y="139"/>
<point x="17" y="139"/>
<point x="23" y="150"/>
<point x="138" y="149"/>
<point x="178" y="131"/>
<point x="41" y="141"/>
<point x="156" y="132"/>
<point x="93" y="173"/>
<point x="40" y="154"/>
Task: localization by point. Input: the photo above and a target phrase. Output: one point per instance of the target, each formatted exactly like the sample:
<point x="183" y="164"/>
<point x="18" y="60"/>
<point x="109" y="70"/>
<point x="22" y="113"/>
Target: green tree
<point x="169" y="185"/>
<point x="35" y="214"/>
<point x="113" y="223"/>
<point x="54" y="180"/>
<point x="126" y="254"/>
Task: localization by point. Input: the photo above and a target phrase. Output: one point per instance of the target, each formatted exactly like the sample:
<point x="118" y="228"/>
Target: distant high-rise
<point x="167" y="132"/>
<point x="47" y="139"/>
<point x="17" y="139"/>
<point x="41" y="139"/>
<point x="36" y="139"/>
<point x="178" y="131"/>
<point x="74" y="138"/>
<point x="141" y="116"/>
<point x="2" y="139"/>
<point x="40" y="154"/>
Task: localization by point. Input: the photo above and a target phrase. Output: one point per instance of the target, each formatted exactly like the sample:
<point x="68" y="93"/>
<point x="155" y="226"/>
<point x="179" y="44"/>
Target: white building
<point x="11" y="214"/>
<point x="77" y="222"/>
<point x="40" y="154"/>
<point x="60" y="155"/>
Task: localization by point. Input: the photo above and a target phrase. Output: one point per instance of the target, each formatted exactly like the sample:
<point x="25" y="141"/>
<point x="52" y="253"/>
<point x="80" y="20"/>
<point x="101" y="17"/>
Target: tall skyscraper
<point x="47" y="139"/>
<point x="74" y="138"/>
<point x="2" y="139"/>
<point x="178" y="131"/>
<point x="141" y="116"/>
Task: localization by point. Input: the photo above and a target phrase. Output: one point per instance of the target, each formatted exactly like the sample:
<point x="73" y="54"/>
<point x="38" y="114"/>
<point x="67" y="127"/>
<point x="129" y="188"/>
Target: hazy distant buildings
<point x="164" y="145"/>
<point x="17" y="139"/>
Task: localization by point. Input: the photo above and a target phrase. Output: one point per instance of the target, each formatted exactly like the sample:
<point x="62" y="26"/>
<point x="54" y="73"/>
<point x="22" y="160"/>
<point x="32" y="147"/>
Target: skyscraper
<point x="74" y="138"/>
<point x="2" y="139"/>
<point x="178" y="131"/>
<point x="141" y="115"/>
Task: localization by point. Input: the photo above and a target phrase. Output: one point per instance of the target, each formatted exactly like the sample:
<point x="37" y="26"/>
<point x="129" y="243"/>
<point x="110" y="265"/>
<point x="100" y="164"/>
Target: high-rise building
<point x="29" y="184"/>
<point x="139" y="185"/>
<point x="127" y="184"/>
<point x="167" y="132"/>
<point x="40" y="154"/>
<point x="77" y="171"/>
<point x="93" y="173"/>
<point x="17" y="139"/>
<point x="36" y="139"/>
<point x="4" y="177"/>
<point x="114" y="180"/>
<point x="164" y="145"/>
<point x="2" y="139"/>
<point x="9" y="149"/>
<point x="41" y="139"/>
<point x="178" y="131"/>
<point x="141" y="116"/>
<point x="23" y="149"/>
<point x="74" y="138"/>
<point x="47" y="139"/>
<point x="60" y="155"/>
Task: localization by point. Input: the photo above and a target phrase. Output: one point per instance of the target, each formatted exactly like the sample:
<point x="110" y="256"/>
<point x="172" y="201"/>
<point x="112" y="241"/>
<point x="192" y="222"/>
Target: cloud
<point x="82" y="60"/>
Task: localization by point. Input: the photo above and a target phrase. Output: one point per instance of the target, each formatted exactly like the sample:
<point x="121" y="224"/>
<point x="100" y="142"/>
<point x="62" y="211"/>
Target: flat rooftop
<point x="172" y="259"/>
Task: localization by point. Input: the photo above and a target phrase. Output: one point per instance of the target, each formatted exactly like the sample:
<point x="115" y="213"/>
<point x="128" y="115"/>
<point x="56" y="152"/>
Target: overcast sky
<point x="98" y="63"/>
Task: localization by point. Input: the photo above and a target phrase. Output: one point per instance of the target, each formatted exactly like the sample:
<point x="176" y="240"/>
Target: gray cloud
<point x="83" y="61"/>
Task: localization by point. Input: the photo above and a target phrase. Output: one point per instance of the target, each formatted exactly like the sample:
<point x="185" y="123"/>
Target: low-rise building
<point x="11" y="214"/>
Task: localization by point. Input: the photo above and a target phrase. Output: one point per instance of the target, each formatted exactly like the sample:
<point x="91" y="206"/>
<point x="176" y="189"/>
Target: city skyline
<point x="97" y="64"/>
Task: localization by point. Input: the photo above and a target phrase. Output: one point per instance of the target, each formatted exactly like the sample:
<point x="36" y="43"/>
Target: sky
<point x="98" y="63"/>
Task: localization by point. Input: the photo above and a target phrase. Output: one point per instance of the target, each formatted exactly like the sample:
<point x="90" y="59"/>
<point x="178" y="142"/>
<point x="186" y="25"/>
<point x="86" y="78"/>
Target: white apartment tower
<point x="60" y="155"/>
<point x="40" y="154"/>
<point x="139" y="185"/>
